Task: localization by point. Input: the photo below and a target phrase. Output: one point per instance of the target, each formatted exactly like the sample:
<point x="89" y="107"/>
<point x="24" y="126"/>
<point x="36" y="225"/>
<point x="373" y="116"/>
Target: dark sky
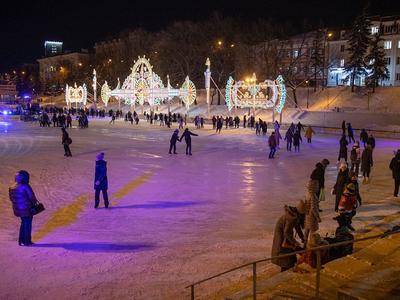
<point x="24" y="26"/>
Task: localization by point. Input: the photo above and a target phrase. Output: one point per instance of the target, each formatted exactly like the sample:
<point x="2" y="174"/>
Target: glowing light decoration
<point x="250" y="94"/>
<point x="145" y="86"/>
<point x="76" y="94"/>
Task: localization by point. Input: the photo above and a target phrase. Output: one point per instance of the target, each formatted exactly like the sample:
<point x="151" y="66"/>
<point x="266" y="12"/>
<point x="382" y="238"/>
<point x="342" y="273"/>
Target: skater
<point x="219" y="125"/>
<point x="366" y="163"/>
<point x="244" y="121"/>
<point x="296" y="141"/>
<point x="284" y="241"/>
<point x="23" y="198"/>
<point x="69" y="121"/>
<point x="278" y="135"/>
<point x="309" y="133"/>
<point x="343" y="148"/>
<point x="364" y="136"/>
<point x="100" y="180"/>
<point x="66" y="141"/>
<point x="344" y="127"/>
<point x="350" y="133"/>
<point x="371" y="141"/>
<point x="112" y="119"/>
<point x="214" y="121"/>
<point x="300" y="127"/>
<point x="355" y="158"/>
<point x="258" y="128"/>
<point x="172" y="142"/>
<point x="395" y="167"/>
<point x="341" y="181"/>
<point x="187" y="135"/>
<point x="312" y="217"/>
<point x="272" y="145"/>
<point x="289" y="139"/>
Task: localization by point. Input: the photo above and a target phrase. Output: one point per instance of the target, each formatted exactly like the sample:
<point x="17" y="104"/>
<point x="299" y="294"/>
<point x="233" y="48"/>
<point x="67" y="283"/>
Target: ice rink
<point x="174" y="219"/>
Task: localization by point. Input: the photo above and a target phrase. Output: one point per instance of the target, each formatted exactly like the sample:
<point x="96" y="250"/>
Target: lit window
<point x="387" y="60"/>
<point x="374" y="29"/>
<point x="295" y="53"/>
<point x="342" y="62"/>
<point x="387" y="44"/>
<point x="398" y="44"/>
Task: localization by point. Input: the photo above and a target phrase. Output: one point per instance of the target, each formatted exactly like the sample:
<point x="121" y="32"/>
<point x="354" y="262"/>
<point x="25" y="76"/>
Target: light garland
<point x="76" y="94"/>
<point x="255" y="95"/>
<point x="145" y="86"/>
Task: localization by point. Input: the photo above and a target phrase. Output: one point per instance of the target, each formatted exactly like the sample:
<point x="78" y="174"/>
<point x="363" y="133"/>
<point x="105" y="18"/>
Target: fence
<point x="318" y="268"/>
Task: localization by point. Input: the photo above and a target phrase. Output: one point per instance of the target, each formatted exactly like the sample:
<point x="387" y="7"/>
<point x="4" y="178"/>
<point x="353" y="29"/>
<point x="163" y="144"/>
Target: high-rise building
<point x="52" y="48"/>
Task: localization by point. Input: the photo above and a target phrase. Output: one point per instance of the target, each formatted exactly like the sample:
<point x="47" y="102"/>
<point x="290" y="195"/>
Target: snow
<point x="174" y="219"/>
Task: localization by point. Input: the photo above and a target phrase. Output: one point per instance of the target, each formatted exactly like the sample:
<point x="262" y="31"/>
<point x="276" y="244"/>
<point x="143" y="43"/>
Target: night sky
<point x="26" y="25"/>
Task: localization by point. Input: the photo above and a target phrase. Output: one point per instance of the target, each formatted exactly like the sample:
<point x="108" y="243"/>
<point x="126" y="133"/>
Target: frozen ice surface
<point x="174" y="219"/>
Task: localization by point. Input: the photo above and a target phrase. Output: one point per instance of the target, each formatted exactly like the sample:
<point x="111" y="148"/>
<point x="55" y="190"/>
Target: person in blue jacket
<point x="187" y="135"/>
<point x="100" y="180"/>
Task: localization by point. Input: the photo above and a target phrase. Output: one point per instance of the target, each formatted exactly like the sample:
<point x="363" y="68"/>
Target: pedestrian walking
<point x="341" y="180"/>
<point x="23" y="199"/>
<point x="363" y="137"/>
<point x="100" y="180"/>
<point x="343" y="148"/>
<point x="350" y="133"/>
<point x="355" y="158"/>
<point x="319" y="174"/>
<point x="395" y="168"/>
<point x="66" y="141"/>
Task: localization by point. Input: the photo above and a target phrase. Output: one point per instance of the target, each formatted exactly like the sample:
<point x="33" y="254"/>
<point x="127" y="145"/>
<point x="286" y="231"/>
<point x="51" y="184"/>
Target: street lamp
<point x="308" y="91"/>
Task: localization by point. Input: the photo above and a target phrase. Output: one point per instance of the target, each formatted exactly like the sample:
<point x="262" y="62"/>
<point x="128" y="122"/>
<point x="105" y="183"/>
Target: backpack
<point x="353" y="154"/>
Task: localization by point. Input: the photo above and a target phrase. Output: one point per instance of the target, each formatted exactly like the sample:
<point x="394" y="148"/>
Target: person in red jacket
<point x="23" y="199"/>
<point x="348" y="204"/>
<point x="272" y="145"/>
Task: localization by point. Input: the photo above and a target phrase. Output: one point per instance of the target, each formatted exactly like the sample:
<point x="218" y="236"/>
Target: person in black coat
<point x="341" y="181"/>
<point x="371" y="141"/>
<point x="66" y="141"/>
<point x="344" y="127"/>
<point x="350" y="133"/>
<point x="363" y="136"/>
<point x="23" y="199"/>
<point x="100" y="180"/>
<point x="172" y="142"/>
<point x="289" y="139"/>
<point x="395" y="167"/>
<point x="187" y="135"/>
<point x="343" y="148"/>
<point x="296" y="141"/>
<point x="319" y="174"/>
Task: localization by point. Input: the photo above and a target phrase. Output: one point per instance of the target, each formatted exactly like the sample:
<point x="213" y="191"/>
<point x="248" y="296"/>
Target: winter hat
<point x="301" y="207"/>
<point x="100" y="156"/>
<point x="350" y="189"/>
<point x="176" y="130"/>
<point x="325" y="162"/>
<point x="22" y="176"/>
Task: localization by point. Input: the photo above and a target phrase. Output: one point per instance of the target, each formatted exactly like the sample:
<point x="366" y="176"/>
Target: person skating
<point x="341" y="180"/>
<point x="272" y="145"/>
<point x="371" y="141"/>
<point x="23" y="199"/>
<point x="366" y="163"/>
<point x="172" y="142"/>
<point x="69" y="121"/>
<point x="300" y="127"/>
<point x="394" y="166"/>
<point x="355" y="158"/>
<point x="309" y="133"/>
<point x="100" y="180"/>
<point x="344" y="128"/>
<point x="296" y="141"/>
<point x="312" y="217"/>
<point x="289" y="139"/>
<point x="187" y="135"/>
<point x="343" y="148"/>
<point x="284" y="241"/>
<point x="364" y="136"/>
<point x="350" y="133"/>
<point x="66" y="141"/>
<point x="278" y="135"/>
<point x="219" y="125"/>
<point x="112" y="119"/>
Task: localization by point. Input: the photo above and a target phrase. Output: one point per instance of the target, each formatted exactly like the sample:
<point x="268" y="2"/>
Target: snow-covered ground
<point x="174" y="219"/>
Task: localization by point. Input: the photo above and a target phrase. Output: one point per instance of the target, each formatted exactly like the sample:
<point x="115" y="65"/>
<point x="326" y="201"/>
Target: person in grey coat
<point x="284" y="241"/>
<point x="100" y="180"/>
<point x="23" y="199"/>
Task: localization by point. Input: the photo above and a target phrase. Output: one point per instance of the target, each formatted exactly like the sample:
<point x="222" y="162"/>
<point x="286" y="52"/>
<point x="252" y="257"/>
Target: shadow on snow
<point x="98" y="247"/>
<point x="160" y="204"/>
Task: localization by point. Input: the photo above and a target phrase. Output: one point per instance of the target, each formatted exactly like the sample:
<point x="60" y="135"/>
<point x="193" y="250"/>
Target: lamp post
<point x="207" y="75"/>
<point x="94" y="89"/>
<point x="308" y="91"/>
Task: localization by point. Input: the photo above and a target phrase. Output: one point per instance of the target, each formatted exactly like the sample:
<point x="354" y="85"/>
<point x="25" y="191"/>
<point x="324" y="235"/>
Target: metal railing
<point x="317" y="250"/>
